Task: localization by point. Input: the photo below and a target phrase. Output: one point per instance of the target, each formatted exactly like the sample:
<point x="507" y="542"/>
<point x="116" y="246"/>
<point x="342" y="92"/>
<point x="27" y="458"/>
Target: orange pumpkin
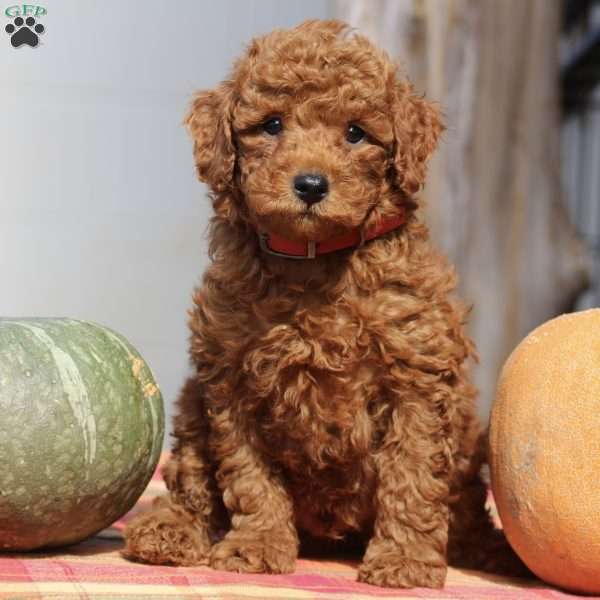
<point x="545" y="451"/>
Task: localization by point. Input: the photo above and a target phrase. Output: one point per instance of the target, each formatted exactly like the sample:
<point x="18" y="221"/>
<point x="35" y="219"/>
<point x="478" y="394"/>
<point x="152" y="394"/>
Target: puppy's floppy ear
<point x="417" y="127"/>
<point x="209" y="122"/>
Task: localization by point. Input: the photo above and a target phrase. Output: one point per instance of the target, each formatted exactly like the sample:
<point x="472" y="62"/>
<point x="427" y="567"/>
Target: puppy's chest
<point x="316" y="383"/>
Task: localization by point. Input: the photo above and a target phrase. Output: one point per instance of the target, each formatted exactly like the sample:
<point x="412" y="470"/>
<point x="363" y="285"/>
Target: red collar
<point x="279" y="246"/>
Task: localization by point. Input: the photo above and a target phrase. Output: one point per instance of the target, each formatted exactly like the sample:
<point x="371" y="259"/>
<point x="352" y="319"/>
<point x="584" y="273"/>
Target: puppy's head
<point x="313" y="134"/>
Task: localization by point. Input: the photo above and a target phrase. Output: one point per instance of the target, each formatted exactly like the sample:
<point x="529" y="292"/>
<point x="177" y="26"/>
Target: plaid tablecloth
<point x="95" y="569"/>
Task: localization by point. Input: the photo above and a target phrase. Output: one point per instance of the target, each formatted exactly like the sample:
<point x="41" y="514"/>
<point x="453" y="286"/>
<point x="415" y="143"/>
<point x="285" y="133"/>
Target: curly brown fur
<point x="331" y="397"/>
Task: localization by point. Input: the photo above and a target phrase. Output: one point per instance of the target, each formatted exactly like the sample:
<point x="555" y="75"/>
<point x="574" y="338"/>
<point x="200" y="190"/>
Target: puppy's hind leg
<point x="178" y="528"/>
<point x="474" y="542"/>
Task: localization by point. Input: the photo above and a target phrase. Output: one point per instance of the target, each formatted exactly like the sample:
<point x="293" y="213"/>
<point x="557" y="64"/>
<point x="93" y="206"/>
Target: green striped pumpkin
<point x="81" y="430"/>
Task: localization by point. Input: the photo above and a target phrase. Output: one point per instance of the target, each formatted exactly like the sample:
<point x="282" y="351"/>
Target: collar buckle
<point x="263" y="240"/>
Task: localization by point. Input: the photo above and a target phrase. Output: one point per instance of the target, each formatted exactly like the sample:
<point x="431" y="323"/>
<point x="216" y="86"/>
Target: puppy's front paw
<point x="392" y="570"/>
<point x="256" y="552"/>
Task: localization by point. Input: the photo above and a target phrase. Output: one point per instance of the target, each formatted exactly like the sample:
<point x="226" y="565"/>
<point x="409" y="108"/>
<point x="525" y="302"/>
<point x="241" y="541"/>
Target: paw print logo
<point x="24" y="32"/>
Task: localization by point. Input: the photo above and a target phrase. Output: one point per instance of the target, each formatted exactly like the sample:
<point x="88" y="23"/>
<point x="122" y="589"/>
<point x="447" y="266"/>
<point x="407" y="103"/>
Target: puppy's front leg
<point x="408" y="547"/>
<point x="263" y="537"/>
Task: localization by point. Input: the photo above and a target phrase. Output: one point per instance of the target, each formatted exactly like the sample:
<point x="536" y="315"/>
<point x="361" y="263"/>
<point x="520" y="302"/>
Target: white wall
<point x="101" y="216"/>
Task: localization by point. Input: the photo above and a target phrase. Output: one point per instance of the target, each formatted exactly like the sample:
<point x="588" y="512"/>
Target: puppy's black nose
<point x="311" y="187"/>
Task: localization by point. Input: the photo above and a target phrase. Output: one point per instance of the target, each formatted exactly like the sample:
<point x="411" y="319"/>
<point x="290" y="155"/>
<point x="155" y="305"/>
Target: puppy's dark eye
<point x="273" y="126"/>
<point x="354" y="134"/>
